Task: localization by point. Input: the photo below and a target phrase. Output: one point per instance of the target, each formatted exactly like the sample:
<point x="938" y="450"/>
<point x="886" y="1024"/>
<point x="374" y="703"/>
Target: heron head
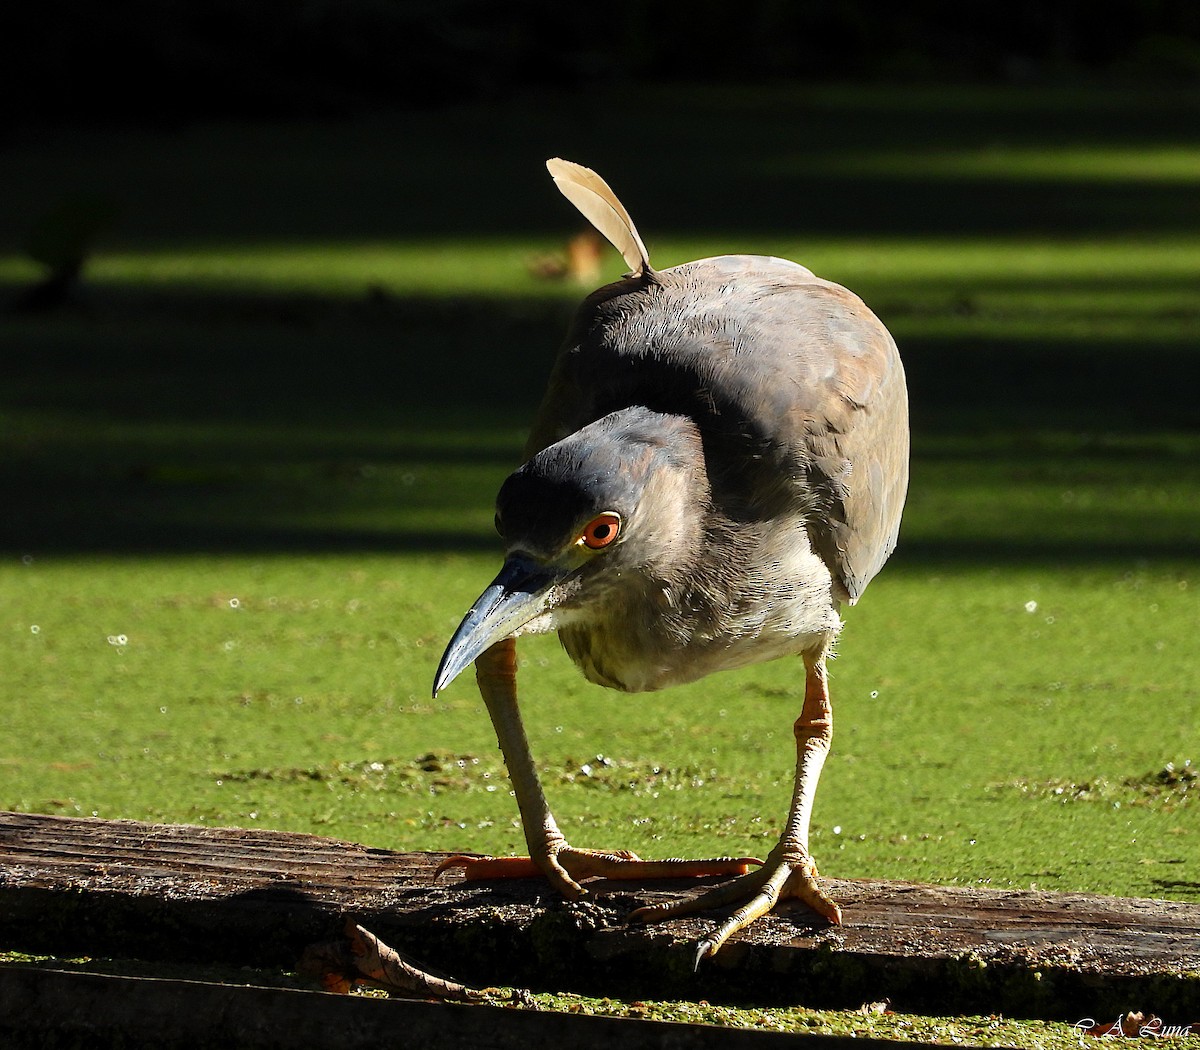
<point x="620" y="498"/>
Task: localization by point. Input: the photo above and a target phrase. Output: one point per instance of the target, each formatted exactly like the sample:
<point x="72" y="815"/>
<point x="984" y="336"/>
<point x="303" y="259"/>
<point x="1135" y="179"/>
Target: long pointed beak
<point x="521" y="591"/>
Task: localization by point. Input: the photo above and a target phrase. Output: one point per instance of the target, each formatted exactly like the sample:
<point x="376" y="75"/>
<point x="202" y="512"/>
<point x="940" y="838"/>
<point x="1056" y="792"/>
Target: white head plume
<point x="599" y="205"/>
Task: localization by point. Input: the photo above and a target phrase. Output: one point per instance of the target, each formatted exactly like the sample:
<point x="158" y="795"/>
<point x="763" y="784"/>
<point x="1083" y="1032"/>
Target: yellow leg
<point x="549" y="852"/>
<point x="496" y="673"/>
<point x="789" y="871"/>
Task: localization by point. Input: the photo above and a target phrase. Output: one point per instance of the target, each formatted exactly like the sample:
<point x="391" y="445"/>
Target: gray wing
<point x="854" y="436"/>
<point x="797" y="388"/>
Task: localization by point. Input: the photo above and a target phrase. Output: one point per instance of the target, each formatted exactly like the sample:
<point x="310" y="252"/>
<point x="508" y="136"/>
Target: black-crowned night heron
<point x="719" y="463"/>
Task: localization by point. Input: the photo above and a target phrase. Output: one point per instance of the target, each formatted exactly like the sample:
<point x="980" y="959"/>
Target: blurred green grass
<point x="249" y="475"/>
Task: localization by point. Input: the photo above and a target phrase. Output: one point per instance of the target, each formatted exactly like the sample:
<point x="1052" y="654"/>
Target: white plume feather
<point x="599" y="205"/>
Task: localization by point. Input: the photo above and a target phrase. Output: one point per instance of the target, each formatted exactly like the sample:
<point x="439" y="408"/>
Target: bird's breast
<point x="672" y="635"/>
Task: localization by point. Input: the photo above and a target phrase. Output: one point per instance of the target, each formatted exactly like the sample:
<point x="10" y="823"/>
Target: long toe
<point x="567" y="867"/>
<point x="625" y="865"/>
<point x="757" y="893"/>
<point x="476" y="869"/>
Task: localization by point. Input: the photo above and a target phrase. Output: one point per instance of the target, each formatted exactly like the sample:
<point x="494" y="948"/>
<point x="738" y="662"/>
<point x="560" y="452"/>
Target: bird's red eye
<point x="601" y="531"/>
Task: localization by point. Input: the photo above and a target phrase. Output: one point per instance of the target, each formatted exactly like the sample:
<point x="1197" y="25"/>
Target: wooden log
<point x="71" y="886"/>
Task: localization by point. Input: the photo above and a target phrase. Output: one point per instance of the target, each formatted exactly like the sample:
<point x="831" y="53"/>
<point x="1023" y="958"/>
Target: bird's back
<point x="796" y="387"/>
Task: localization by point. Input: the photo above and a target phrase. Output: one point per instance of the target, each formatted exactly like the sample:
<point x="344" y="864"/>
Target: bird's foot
<point x="788" y="876"/>
<point x="566" y="867"/>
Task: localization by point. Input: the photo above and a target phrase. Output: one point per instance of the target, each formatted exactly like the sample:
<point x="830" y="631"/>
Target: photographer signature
<point x="1134" y="1025"/>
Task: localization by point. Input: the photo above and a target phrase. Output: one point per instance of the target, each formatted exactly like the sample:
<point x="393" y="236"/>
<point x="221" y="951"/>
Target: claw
<point x="826" y="908"/>
<point x="704" y="949"/>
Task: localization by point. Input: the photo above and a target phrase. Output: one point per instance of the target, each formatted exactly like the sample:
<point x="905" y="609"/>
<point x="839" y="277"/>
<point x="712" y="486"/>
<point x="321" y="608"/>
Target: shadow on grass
<point x="258" y="424"/>
<point x="759" y="162"/>
<point x="184" y="420"/>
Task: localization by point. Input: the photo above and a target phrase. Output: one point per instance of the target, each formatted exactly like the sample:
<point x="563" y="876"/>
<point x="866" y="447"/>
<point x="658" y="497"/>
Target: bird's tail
<point x="599" y="205"/>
